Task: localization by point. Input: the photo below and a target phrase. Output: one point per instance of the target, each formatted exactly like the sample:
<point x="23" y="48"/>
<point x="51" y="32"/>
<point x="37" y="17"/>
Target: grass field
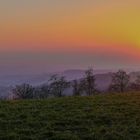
<point x="101" y="117"/>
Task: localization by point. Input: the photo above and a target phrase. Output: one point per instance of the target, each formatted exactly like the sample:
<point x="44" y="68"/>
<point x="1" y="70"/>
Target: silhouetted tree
<point x="23" y="91"/>
<point x="138" y="80"/>
<point x="120" y="81"/>
<point x="76" y="88"/>
<point x="42" y="91"/>
<point x="88" y="82"/>
<point x="58" y="84"/>
<point x="135" y="85"/>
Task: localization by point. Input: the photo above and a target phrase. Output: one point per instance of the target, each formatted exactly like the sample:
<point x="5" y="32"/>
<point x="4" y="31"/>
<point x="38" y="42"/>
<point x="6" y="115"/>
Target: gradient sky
<point x="50" y="35"/>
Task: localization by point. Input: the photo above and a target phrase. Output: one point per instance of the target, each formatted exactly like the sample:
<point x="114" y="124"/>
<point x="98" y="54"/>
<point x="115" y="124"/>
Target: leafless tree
<point x="120" y="81"/>
<point x="138" y="80"/>
<point x="135" y="86"/>
<point x="58" y="84"/>
<point x="76" y="88"/>
<point x="88" y="82"/>
<point x="42" y="92"/>
<point x="23" y="91"/>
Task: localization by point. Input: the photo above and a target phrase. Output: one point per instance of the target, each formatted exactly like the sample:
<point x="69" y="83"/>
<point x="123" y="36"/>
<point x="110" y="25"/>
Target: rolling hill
<point x="101" y="117"/>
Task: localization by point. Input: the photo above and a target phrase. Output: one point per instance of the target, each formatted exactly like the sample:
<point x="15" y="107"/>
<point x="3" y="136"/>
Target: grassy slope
<point x="102" y="117"/>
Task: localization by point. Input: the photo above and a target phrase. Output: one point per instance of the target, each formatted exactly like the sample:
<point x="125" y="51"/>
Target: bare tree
<point x="76" y="88"/>
<point x="138" y="80"/>
<point x="58" y="84"/>
<point x="120" y="81"/>
<point x="88" y="83"/>
<point x="135" y="85"/>
<point x="42" y="91"/>
<point x="23" y="91"/>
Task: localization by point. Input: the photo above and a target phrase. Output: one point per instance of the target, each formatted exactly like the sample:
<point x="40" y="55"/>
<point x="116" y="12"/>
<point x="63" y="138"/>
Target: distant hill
<point x="77" y="74"/>
<point x="9" y="80"/>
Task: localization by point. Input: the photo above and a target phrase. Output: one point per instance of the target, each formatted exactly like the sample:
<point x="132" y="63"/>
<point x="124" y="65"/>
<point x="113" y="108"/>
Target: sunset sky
<point x="50" y="35"/>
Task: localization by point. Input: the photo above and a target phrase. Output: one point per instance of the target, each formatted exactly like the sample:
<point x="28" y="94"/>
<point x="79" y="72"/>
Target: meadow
<point x="99" y="117"/>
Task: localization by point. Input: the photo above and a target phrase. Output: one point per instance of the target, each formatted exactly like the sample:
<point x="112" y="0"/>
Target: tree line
<point x="57" y="84"/>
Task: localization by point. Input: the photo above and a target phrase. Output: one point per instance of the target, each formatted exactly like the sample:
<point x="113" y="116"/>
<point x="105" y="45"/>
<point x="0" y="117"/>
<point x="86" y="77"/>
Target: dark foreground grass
<point x="101" y="117"/>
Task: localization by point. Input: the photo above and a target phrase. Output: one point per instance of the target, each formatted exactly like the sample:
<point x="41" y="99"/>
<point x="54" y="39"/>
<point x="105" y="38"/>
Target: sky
<point x="38" y="36"/>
